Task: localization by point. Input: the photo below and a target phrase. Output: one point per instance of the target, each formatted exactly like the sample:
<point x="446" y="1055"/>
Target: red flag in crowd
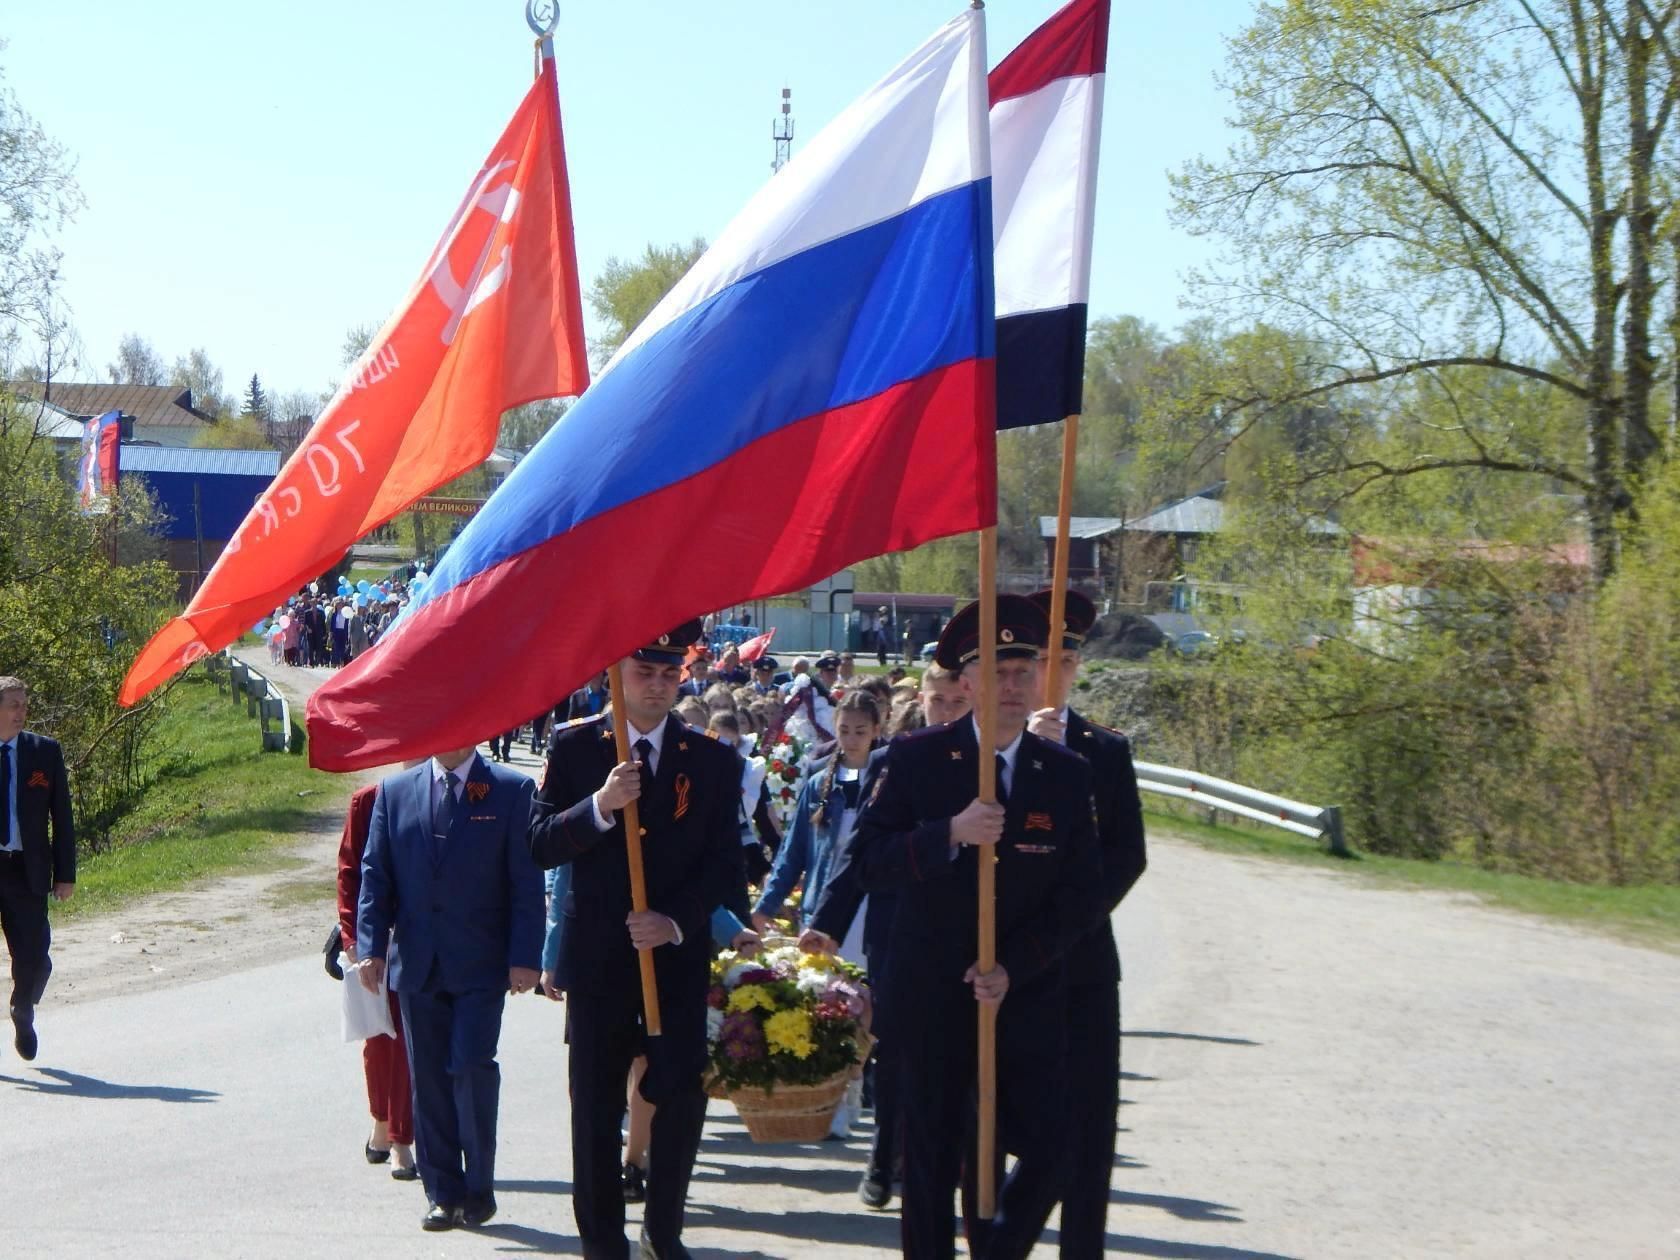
<point x="495" y="320"/>
<point x="754" y="648"/>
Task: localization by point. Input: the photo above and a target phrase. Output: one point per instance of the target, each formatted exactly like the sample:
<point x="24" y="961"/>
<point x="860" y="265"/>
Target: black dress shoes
<point x="23" y="1021"/>
<point x="875" y="1189"/>
<point x="478" y="1210"/>
<point x="635" y="1184"/>
<point x="375" y="1155"/>
<point x="647" y="1251"/>
<point x="438" y="1217"/>
<point x="405" y="1172"/>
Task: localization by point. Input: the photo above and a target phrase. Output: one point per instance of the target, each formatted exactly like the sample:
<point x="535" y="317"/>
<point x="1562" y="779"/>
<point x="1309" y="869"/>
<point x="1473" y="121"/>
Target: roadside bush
<point x="79" y="595"/>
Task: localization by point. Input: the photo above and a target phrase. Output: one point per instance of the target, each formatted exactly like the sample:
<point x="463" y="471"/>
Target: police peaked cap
<point x="1022" y="630"/>
<point x="671" y="648"/>
<point x="1078" y="617"/>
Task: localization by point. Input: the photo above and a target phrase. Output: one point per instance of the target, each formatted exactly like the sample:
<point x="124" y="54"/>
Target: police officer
<point x="925" y="833"/>
<point x="687" y="788"/>
<point x="1093" y="966"/>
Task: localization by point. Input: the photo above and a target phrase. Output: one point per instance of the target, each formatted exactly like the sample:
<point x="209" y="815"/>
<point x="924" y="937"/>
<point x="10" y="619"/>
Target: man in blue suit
<point x="448" y="868"/>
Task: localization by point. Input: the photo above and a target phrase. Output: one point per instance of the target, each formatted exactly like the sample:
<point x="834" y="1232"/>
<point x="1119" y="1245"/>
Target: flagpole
<point x="1059" y="560"/>
<point x="986" y="713"/>
<point x="633" y="847"/>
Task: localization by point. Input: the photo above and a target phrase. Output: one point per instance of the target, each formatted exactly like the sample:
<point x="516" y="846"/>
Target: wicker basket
<point x="790" y="1113"/>
<point x="715" y="1088"/>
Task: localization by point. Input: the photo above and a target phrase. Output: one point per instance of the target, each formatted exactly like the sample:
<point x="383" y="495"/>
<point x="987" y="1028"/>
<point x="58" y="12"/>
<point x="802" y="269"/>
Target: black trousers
<point x="23" y="917"/>
<point x="1093" y="1059"/>
<point x="938" y="1034"/>
<point x="605" y="1032"/>
<point x="884" y="1157"/>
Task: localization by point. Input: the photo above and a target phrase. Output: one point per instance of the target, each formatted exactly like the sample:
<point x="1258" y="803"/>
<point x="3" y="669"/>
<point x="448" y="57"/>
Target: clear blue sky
<point x="261" y="177"/>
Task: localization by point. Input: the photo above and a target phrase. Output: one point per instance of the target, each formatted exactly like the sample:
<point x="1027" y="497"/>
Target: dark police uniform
<point x="1093" y="966"/>
<point x="832" y="915"/>
<point x="1047" y="877"/>
<point x="691" y="855"/>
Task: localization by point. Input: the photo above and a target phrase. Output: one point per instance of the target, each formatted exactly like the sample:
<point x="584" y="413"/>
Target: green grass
<point x="220" y="805"/>
<point x="1646" y="914"/>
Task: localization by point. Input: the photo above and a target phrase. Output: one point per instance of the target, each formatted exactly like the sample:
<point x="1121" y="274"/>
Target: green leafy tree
<point x="1422" y="189"/>
<point x="627" y="290"/>
<point x="137" y="363"/>
<point x="38" y="193"/>
<point x="79" y="594"/>
<point x="194" y="371"/>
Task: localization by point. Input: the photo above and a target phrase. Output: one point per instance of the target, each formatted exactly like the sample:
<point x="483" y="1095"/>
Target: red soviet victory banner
<point x="495" y="320"/>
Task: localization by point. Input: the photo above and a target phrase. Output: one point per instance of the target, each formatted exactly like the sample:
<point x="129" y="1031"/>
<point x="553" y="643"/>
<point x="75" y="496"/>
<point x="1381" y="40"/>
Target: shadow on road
<point x="528" y="1238"/>
<point x="1181" y="1036"/>
<point x="1132" y="1245"/>
<point x="1184" y="1209"/>
<point x="74" y="1085"/>
<point x="809" y="1228"/>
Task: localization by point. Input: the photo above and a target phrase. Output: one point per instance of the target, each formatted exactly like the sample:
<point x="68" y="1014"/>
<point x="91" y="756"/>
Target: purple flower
<point x="742" y="1038"/>
<point x="758" y="975"/>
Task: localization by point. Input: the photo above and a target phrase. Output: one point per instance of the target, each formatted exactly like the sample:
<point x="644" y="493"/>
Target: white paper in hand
<point x="364" y="1014"/>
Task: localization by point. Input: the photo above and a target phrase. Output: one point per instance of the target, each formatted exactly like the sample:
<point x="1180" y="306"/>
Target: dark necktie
<point x="1002" y="792"/>
<point x="644" y="754"/>
<point x="5" y="796"/>
<point x="445" y="812"/>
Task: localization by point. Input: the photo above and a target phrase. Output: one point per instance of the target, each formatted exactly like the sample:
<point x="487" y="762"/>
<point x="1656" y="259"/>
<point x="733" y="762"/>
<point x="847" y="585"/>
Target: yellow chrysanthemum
<point x="817" y="962"/>
<point x="790" y="1033"/>
<point x="749" y="996"/>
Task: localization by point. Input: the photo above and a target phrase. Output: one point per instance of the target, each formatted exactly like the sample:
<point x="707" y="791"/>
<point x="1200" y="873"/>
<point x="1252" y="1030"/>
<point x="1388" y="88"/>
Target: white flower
<point x="732" y="977"/>
<point x="714" y="1023"/>
<point x="812" y="983"/>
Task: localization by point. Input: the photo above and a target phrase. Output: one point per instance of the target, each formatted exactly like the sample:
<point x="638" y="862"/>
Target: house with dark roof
<point x="163" y="415"/>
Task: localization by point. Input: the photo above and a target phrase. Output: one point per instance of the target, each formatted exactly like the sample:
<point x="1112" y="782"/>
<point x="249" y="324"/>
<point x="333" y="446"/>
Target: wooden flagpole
<point x="633" y="847"/>
<point x="986" y="714"/>
<point x="1059" y="563"/>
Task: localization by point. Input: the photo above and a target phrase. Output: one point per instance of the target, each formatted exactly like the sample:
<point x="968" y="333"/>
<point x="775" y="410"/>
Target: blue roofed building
<point x="204" y="494"/>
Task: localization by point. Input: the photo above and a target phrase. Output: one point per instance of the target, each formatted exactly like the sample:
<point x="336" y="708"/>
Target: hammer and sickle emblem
<point x="481" y="284"/>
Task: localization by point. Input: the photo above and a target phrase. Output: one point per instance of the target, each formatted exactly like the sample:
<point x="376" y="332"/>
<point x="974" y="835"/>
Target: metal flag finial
<point x="542" y="16"/>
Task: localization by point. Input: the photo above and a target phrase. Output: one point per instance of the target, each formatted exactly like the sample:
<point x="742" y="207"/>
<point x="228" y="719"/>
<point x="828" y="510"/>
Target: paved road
<point x="1315" y="1068"/>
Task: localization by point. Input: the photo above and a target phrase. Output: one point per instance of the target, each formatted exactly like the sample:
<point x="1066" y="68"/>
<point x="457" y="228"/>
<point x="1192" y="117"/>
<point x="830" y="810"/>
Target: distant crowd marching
<point x="811" y="838"/>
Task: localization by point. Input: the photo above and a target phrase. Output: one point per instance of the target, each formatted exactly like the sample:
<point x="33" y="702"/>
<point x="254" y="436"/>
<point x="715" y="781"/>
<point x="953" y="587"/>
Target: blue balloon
<point x="260" y="629"/>
<point x="364" y="586"/>
<point x="361" y="600"/>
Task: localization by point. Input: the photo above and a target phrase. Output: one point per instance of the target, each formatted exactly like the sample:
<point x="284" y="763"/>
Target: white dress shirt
<point x="656" y="738"/>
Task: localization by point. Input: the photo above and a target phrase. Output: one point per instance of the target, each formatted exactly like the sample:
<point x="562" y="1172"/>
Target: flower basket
<point x="865" y="1043"/>
<point x="715" y="1088"/>
<point x="789" y="1113"/>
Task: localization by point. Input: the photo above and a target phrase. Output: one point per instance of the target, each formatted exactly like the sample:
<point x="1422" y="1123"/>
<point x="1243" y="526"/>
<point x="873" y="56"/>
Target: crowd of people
<point x="328" y="631"/>
<point x="819" y="800"/>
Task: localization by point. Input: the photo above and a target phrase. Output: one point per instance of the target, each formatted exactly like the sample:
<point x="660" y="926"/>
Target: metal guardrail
<point x="263" y="700"/>
<point x="1319" y="822"/>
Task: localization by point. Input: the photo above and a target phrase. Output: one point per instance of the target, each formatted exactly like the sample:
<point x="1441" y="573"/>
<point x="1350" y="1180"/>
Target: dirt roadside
<point x="223" y="925"/>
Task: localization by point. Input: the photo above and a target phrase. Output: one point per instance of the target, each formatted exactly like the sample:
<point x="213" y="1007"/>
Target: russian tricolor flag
<point x="1046" y="113"/>
<point x="817" y="390"/>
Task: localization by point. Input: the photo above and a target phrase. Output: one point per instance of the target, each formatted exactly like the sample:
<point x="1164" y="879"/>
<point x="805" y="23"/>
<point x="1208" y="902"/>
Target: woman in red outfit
<point x="384" y="1059"/>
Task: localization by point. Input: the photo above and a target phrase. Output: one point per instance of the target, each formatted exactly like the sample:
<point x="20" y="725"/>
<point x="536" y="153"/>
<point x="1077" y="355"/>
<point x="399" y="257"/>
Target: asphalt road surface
<point x="1315" y="1067"/>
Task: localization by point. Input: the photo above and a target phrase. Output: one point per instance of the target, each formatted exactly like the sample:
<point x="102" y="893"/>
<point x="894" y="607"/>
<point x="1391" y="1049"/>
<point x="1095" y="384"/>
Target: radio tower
<point x="781" y="130"/>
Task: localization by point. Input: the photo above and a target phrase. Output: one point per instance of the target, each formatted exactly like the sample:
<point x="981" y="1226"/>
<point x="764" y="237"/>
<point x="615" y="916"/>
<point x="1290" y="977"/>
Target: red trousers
<point x="385" y="1063"/>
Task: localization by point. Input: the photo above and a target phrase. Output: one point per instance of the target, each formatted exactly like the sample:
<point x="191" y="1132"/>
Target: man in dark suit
<point x="924" y="832"/>
<point x="447" y="866"/>
<point x="585" y="701"/>
<point x="688" y="790"/>
<point x="34" y="798"/>
<point x="942" y="700"/>
<point x="1093" y="966"/>
<point x="699" y="677"/>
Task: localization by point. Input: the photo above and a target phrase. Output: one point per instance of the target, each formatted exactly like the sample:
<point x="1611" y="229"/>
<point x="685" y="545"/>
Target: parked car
<point x="1196" y="643"/>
